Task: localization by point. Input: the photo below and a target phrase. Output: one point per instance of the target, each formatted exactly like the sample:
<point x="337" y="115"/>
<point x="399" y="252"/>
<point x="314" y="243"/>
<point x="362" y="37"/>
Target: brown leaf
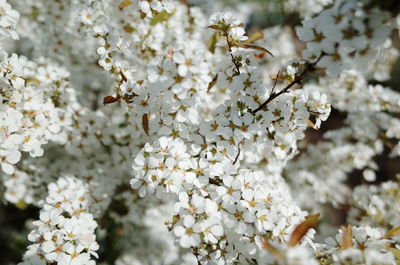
<point x="254" y="47"/>
<point x="258" y="35"/>
<point x="145" y="123"/>
<point x="393" y="232"/>
<point x="212" y="83"/>
<point x="129" y="29"/>
<point x="259" y="56"/>
<point x="212" y="43"/>
<point x="395" y="252"/>
<point x="214" y="27"/>
<point x="110" y="99"/>
<point x="125" y="4"/>
<point x="277" y="77"/>
<point x="271" y="249"/>
<point x="32" y="80"/>
<point x="312" y="125"/>
<point x="301" y="230"/>
<point x="347" y="241"/>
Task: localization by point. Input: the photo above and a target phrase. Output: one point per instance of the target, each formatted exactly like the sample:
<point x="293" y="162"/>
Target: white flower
<point x="8" y="158"/>
<point x="187" y="232"/>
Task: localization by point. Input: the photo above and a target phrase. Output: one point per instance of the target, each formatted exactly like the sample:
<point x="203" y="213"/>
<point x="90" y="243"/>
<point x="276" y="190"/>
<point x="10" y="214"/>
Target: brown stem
<point x="237" y="156"/>
<point x="297" y="80"/>
<point x="230" y="52"/>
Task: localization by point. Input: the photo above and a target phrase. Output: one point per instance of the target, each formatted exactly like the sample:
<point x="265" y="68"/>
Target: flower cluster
<point x="148" y="134"/>
<point x="376" y="205"/>
<point x="348" y="34"/>
<point x="35" y="109"/>
<point x="221" y="208"/>
<point x="64" y="232"/>
<point x="8" y="21"/>
<point x="358" y="245"/>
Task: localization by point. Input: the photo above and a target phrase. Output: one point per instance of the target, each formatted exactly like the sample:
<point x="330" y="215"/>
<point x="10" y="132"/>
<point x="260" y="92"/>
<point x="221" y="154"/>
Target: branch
<point x="230" y="52"/>
<point x="297" y="80"/>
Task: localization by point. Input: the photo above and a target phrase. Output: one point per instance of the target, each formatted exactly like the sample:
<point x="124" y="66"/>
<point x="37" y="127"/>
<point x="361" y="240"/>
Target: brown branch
<point x="230" y="52"/>
<point x="309" y="67"/>
<point x="275" y="82"/>
<point x="237" y="156"/>
<point x="185" y="3"/>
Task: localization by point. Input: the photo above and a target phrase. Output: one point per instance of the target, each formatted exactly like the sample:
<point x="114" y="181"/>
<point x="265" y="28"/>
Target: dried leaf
<point x="312" y="125"/>
<point x="110" y="99"/>
<point x="301" y="230"/>
<point x="145" y="123"/>
<point x="160" y="17"/>
<point x="271" y="249"/>
<point x="212" y="43"/>
<point x="32" y="80"/>
<point x="277" y="77"/>
<point x="258" y="35"/>
<point x="215" y="27"/>
<point x="129" y="29"/>
<point x="259" y="56"/>
<point x="212" y="83"/>
<point x="254" y="47"/>
<point x="393" y="232"/>
<point x="125" y="3"/>
<point x="396" y="253"/>
<point x="347" y="241"/>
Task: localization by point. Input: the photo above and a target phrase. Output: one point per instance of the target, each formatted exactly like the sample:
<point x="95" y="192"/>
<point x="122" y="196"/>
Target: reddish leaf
<point x="125" y="3"/>
<point x="301" y="230"/>
<point x="347" y="241"/>
<point x="110" y="99"/>
<point x="271" y="249"/>
<point x="145" y="123"/>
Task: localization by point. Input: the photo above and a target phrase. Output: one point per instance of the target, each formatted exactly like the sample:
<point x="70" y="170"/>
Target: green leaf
<point x="160" y="17"/>
<point x="212" y="43"/>
<point x="21" y="204"/>
<point x="396" y="253"/>
<point x="393" y="232"/>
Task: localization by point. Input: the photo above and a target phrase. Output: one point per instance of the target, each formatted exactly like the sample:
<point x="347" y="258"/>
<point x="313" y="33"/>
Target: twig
<point x="276" y="81"/>
<point x="185" y="3"/>
<point x="237" y="156"/>
<point x="230" y="52"/>
<point x="297" y="80"/>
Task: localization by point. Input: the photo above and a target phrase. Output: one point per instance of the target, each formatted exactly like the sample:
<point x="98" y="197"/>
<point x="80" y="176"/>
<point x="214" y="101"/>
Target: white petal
<point x="13" y="157"/>
<point x="7" y="168"/>
<point x="247" y="195"/>
<point x="188" y="221"/>
<point x="48" y="246"/>
<point x="217" y="230"/>
<point x="179" y="231"/>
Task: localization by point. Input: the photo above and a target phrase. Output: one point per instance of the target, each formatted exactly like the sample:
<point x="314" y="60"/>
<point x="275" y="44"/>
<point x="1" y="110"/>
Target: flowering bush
<point x="152" y="132"/>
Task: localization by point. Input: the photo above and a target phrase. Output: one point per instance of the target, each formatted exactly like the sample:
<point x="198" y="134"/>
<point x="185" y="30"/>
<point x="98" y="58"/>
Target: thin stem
<point x="275" y="82"/>
<point x="237" y="156"/>
<point x="230" y="52"/>
<point x="297" y="80"/>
